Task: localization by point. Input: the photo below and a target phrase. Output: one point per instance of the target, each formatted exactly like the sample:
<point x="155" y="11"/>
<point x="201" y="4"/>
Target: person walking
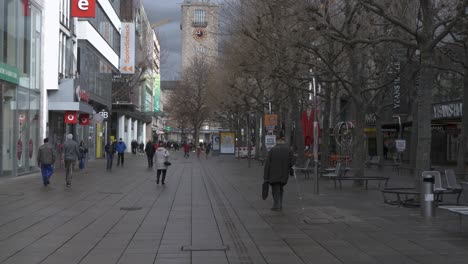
<point x="186" y="150"/>
<point x="198" y="151"/>
<point x="82" y="158"/>
<point x="162" y="159"/>
<point x="71" y="153"/>
<point x="142" y="148"/>
<point x="149" y="149"/>
<point x="134" y="146"/>
<point x="110" y="151"/>
<point x="46" y="160"/>
<point x="207" y="150"/>
<point x="120" y="148"/>
<point x="277" y="170"/>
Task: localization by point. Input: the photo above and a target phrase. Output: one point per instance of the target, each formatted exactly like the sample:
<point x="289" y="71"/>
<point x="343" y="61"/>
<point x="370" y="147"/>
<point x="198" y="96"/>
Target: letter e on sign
<point x="83" y="8"/>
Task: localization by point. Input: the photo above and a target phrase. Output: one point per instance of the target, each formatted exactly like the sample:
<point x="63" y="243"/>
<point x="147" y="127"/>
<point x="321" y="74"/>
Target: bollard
<point x="427" y="195"/>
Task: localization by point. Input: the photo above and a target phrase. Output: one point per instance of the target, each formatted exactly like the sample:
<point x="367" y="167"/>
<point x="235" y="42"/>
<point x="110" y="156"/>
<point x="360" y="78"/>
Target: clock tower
<point x="199" y="27"/>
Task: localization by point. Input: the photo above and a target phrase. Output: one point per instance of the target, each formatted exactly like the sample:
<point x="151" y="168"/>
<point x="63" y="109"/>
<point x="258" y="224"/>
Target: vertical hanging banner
<point x="83" y="8"/>
<point x="157" y="93"/>
<point x="127" y="48"/>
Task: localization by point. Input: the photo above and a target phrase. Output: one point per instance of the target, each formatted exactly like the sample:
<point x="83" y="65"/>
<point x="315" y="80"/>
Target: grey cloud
<point x="169" y="34"/>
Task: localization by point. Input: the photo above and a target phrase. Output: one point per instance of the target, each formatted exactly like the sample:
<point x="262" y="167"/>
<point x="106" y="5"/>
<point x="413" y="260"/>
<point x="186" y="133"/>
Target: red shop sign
<point x="84" y="119"/>
<point x="83" y="8"/>
<point x="70" y="117"/>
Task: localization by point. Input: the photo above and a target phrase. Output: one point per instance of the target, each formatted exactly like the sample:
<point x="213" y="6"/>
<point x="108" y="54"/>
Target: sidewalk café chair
<point x="439" y="190"/>
<point x="451" y="178"/>
<point x="305" y="169"/>
<point x="452" y="183"/>
<point x="334" y="174"/>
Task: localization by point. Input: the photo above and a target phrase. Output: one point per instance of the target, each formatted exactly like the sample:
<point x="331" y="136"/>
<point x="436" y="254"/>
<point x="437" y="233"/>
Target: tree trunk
<point x="424" y="115"/>
<point x="463" y="137"/>
<point x="257" y="135"/>
<point x="195" y="135"/>
<point x="379" y="137"/>
<point x="414" y="129"/>
<point x="359" y="145"/>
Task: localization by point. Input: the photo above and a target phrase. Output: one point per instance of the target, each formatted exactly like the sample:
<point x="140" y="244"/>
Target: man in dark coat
<point x="149" y="149"/>
<point x="276" y="171"/>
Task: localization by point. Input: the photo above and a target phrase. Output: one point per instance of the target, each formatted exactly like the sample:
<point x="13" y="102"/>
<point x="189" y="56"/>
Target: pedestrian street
<point x="211" y="211"/>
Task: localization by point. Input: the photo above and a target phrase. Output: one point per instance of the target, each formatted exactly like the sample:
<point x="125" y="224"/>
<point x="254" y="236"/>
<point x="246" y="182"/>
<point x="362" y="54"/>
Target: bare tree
<point x="190" y="102"/>
<point x="435" y="20"/>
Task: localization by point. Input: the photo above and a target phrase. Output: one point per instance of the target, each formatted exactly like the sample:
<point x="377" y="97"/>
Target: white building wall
<point x="143" y="134"/>
<point x="121" y="127"/>
<point x="128" y="138"/>
<point x="50" y="38"/>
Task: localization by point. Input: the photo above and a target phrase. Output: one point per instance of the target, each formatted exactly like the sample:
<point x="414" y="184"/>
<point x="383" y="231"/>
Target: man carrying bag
<point x="276" y="172"/>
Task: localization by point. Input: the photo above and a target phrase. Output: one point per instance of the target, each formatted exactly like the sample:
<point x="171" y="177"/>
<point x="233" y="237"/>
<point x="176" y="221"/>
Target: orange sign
<point x="127" y="48"/>
<point x="271" y="120"/>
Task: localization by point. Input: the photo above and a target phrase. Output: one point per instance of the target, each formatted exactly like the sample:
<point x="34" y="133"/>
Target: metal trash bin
<point x="427" y="194"/>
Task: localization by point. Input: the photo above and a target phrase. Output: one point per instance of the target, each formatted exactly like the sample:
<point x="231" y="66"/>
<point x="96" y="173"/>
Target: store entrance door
<point x="7" y="155"/>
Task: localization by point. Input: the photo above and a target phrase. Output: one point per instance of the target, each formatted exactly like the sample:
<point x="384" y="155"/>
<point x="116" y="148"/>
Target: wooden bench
<point x="364" y="179"/>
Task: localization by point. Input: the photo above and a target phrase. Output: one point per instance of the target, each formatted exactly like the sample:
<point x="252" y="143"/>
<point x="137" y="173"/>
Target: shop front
<point x="446" y="128"/>
<point x="70" y="113"/>
<point x="20" y="86"/>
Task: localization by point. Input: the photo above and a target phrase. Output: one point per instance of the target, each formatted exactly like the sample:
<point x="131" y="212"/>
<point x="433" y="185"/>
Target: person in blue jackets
<point x="121" y="147"/>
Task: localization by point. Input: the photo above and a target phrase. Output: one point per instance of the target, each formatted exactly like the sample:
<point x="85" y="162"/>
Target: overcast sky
<point x="169" y="34"/>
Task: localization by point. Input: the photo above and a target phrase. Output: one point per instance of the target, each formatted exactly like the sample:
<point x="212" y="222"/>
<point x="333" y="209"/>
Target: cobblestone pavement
<point x="210" y="211"/>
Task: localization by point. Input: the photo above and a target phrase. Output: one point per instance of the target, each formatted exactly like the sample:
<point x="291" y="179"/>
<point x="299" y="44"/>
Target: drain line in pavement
<point x="239" y="246"/>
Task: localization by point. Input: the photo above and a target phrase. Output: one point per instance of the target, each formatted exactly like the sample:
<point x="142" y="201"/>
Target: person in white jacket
<point x="161" y="160"/>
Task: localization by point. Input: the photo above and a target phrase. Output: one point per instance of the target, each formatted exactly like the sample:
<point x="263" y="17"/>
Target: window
<point x="106" y="29"/>
<point x="199" y="19"/>
<point x="65" y="13"/>
<point x="199" y="50"/>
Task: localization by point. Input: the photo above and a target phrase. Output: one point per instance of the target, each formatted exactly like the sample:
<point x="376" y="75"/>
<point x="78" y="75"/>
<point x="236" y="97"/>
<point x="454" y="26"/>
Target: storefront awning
<point x="71" y="106"/>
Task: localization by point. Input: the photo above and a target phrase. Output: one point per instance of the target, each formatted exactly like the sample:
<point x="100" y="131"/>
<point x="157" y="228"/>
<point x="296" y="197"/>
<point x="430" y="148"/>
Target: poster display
<point x="227" y="142"/>
<point x="216" y="142"/>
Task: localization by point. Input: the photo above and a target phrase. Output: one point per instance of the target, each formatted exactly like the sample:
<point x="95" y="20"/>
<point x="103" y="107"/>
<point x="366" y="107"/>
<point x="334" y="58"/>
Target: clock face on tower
<point x="199" y="34"/>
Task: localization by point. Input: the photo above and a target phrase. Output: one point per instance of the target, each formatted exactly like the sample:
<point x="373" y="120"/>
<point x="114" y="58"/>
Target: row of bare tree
<point x="360" y="50"/>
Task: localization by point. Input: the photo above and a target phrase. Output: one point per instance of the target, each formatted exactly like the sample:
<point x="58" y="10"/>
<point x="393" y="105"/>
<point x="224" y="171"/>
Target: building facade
<point x="133" y="96"/>
<point x="199" y="31"/>
<point x="80" y="84"/>
<point x="21" y="84"/>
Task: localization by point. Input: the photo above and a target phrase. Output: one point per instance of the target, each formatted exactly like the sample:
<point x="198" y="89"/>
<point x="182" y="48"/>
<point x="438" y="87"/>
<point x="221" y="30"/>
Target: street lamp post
<point x="399" y="134"/>
<point x="316" y="174"/>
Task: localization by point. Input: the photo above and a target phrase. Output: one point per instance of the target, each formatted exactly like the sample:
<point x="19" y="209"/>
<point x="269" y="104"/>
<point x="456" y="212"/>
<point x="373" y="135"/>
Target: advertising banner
<point x="127" y="48"/>
<point x="216" y="142"/>
<point x="227" y="142"/>
<point x="83" y="8"/>
<point x="157" y="93"/>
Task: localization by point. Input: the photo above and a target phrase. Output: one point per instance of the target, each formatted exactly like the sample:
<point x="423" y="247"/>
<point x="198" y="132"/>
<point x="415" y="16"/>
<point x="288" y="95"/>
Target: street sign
<point x="270" y="141"/>
<point x="400" y="145"/>
<point x="271" y="120"/>
<point x="270" y="128"/>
